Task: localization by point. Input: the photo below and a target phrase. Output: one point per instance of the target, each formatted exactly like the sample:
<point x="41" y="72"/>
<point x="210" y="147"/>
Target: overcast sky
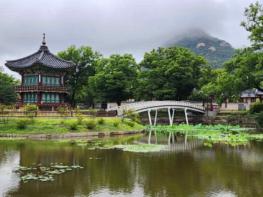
<point x="113" y="26"/>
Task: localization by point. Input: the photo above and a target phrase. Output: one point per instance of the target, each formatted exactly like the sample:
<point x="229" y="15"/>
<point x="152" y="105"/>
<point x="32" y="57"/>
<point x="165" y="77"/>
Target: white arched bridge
<point x="148" y="106"/>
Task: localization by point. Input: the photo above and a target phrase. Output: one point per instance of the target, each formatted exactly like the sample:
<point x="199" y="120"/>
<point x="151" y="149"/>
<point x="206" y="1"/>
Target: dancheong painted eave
<point x="43" y="57"/>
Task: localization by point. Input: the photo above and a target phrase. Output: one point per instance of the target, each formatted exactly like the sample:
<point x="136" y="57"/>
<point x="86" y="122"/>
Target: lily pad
<point x="43" y="173"/>
<point x="141" y="148"/>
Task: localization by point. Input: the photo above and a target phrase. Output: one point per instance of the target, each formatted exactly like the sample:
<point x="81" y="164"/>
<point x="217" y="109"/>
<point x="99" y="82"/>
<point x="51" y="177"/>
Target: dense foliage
<point x="114" y="79"/>
<point x="7" y="89"/>
<point x="256" y="108"/>
<point x="169" y="73"/>
<point x="85" y="59"/>
<point x="254" y="24"/>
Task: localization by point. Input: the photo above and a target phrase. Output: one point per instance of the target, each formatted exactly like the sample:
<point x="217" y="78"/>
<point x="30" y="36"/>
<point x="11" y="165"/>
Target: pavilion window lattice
<point x="50" y="98"/>
<point x="31" y="80"/>
<point x="30" y="97"/>
<point x="51" y="81"/>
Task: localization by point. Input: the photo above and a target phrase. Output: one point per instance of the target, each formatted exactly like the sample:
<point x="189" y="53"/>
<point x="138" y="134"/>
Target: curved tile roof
<point x="251" y="93"/>
<point x="42" y="57"/>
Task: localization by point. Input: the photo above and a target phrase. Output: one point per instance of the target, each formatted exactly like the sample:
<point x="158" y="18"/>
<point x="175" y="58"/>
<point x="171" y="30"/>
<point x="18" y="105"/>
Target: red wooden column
<point x="22" y="98"/>
<point x="39" y="95"/>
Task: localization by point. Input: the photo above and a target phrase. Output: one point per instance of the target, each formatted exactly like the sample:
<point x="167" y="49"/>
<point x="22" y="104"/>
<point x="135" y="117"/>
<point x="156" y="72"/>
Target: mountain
<point x="215" y="50"/>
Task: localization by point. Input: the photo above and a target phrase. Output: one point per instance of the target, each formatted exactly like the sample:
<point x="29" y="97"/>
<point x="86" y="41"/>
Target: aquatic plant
<point x="43" y="173"/>
<point x="141" y="148"/>
<point x="233" y="135"/>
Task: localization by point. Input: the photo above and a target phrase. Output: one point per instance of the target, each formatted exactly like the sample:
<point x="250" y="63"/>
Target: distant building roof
<point x="251" y="93"/>
<point x="42" y="57"/>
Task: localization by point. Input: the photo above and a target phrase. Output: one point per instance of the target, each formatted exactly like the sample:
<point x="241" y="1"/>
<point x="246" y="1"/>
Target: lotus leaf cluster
<point x="43" y="173"/>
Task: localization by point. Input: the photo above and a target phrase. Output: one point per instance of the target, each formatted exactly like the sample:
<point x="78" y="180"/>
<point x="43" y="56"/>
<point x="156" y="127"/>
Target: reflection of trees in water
<point x="179" y="173"/>
<point x="183" y="174"/>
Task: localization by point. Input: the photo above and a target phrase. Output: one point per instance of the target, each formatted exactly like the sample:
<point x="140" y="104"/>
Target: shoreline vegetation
<point x="66" y="128"/>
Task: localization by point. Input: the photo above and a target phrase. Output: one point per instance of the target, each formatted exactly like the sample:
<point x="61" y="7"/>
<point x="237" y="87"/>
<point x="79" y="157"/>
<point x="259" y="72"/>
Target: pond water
<point x="186" y="169"/>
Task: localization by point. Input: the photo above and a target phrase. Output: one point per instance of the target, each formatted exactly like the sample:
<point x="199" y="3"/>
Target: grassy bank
<point x="63" y="125"/>
<point x="233" y="135"/>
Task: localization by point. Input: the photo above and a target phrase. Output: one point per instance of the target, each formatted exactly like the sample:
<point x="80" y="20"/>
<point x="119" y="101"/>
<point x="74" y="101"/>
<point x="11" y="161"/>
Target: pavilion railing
<point x="55" y="114"/>
<point x="39" y="88"/>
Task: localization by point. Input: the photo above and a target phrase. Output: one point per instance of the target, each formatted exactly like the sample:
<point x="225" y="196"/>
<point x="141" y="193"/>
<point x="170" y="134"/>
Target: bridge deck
<point x="154" y="105"/>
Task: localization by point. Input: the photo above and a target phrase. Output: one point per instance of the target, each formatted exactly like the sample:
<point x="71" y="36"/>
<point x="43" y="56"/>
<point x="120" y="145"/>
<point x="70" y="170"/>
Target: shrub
<point x="4" y="112"/>
<point x="62" y="110"/>
<point x="2" y="108"/>
<point x="90" y="124"/>
<point x="116" y="123"/>
<point x="101" y="121"/>
<point x="129" y="123"/>
<point x="257" y="107"/>
<point x="80" y="119"/>
<point x="259" y="119"/>
<point x="22" y="123"/>
<point x="31" y="110"/>
<point x="132" y="115"/>
<point x="73" y="126"/>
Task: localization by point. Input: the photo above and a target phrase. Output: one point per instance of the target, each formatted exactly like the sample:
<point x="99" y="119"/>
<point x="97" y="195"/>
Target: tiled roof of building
<point x="251" y="93"/>
<point x="42" y="57"/>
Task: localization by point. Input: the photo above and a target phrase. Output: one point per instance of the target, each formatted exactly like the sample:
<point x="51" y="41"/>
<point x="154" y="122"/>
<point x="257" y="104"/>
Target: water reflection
<point x="175" y="142"/>
<point x="9" y="181"/>
<point x="189" y="169"/>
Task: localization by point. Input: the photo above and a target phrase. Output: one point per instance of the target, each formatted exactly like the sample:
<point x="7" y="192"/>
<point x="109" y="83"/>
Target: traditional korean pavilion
<point x="42" y="78"/>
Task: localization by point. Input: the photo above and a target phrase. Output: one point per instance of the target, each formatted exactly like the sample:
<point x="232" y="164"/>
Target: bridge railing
<point x="150" y="104"/>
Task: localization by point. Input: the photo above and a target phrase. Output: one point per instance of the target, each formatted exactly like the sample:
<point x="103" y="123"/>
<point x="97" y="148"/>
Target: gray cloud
<point x="113" y="26"/>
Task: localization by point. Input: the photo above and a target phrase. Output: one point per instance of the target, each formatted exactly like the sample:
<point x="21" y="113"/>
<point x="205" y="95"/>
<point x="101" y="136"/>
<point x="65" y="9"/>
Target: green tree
<point x="243" y="71"/>
<point x="7" y="89"/>
<point x="169" y="73"/>
<point x="77" y="81"/>
<point x="254" y="24"/>
<point x="223" y="86"/>
<point x="114" y="79"/>
<point x="247" y="67"/>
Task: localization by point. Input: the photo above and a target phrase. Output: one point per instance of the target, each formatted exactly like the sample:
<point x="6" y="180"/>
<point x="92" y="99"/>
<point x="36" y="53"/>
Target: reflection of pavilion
<point x="9" y="180"/>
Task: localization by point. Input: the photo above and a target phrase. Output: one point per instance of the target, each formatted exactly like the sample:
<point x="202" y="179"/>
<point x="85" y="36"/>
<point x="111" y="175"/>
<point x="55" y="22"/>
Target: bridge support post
<point x="149" y="117"/>
<point x="186" y="116"/>
<point x="155" y="117"/>
<point x="173" y="113"/>
<point x="155" y="121"/>
<point x="171" y="116"/>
